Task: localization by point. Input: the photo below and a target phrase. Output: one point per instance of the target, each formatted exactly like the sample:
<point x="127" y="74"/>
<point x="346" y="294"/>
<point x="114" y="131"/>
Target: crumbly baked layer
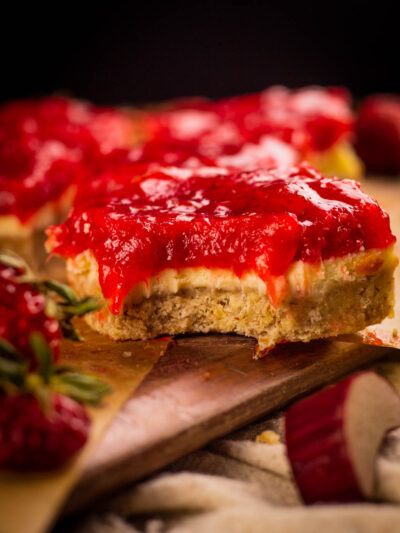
<point x="340" y="296"/>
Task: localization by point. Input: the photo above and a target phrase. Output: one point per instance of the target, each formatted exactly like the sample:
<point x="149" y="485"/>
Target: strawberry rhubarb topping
<point x="34" y="172"/>
<point x="258" y="221"/>
<point x="268" y="152"/>
<point x="50" y="144"/>
<point x="309" y="119"/>
<point x="94" y="130"/>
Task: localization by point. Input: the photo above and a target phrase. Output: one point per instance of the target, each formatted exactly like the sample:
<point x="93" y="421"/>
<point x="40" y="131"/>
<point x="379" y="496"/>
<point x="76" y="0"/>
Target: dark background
<point x="122" y="52"/>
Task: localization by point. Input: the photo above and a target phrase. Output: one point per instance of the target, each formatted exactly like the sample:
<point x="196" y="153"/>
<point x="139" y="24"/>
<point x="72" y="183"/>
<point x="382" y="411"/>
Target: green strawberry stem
<point x="43" y="354"/>
<point x="13" y="366"/>
<point x="62" y="290"/>
<point x="15" y="376"/>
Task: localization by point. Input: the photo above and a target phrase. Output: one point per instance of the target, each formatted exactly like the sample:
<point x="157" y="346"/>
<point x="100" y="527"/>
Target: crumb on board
<point x="269" y="437"/>
<point x="125" y="355"/>
<point x="207" y="375"/>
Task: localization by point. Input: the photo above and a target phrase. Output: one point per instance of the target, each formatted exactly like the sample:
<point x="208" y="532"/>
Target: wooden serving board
<point x="206" y="386"/>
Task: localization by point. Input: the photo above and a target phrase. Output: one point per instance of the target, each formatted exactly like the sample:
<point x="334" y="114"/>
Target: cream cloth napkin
<point x="238" y="485"/>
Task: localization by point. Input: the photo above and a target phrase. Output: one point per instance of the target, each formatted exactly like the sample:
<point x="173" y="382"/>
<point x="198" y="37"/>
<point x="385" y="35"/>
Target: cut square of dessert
<point x="279" y="255"/>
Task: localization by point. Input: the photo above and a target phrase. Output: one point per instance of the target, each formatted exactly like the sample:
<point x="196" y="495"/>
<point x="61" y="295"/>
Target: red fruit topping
<point x="50" y="144"/>
<point x="378" y="134"/>
<point x="94" y="130"/>
<point x="260" y="220"/>
<point x="194" y="131"/>
<point x="268" y="152"/>
<point x="33" y="173"/>
<point x="36" y="438"/>
<point x="150" y="157"/>
<point x="308" y="119"/>
<point x="23" y="311"/>
<point x="311" y="118"/>
<point x="333" y="437"/>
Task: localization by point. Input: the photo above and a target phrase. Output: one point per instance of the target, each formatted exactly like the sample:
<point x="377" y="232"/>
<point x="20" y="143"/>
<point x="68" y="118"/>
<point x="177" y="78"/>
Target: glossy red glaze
<point x="149" y="157"/>
<point x="259" y="220"/>
<point x="45" y="146"/>
<point x="378" y="134"/>
<point x="94" y="130"/>
<point x="33" y="173"/>
<point x="23" y="311"/>
<point x="268" y="152"/>
<point x="309" y="119"/>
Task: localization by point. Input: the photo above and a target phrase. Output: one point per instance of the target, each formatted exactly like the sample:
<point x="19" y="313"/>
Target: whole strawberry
<point x="42" y="420"/>
<point x="28" y="305"/>
<point x="36" y="438"/>
<point x="23" y="309"/>
<point x="378" y="134"/>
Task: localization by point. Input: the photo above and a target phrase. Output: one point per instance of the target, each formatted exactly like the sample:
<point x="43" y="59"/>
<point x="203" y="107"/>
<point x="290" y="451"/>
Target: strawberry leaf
<point x="62" y="290"/>
<point x="44" y="355"/>
<point x="12" y="260"/>
<point x="69" y="331"/>
<point x="8" y="350"/>
<point x="85" y="388"/>
<point x="67" y="311"/>
<point x="13" y="367"/>
<point x="81" y="307"/>
<point x="12" y="371"/>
